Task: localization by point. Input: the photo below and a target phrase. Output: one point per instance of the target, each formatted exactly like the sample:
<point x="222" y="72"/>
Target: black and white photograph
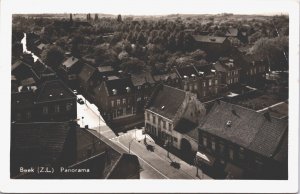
<point x="128" y="94"/>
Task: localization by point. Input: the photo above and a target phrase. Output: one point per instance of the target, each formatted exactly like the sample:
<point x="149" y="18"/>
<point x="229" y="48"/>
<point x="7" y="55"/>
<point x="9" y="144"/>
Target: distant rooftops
<point x="209" y="39"/>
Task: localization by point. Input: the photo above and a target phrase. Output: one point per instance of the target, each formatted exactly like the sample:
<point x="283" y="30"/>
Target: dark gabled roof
<point x="119" y="85"/>
<point x="232" y="32"/>
<point x="184" y="126"/>
<point x="70" y="62"/>
<point x="206" y="69"/>
<point x="16" y="64"/>
<point x="38" y="143"/>
<point x="282" y="152"/>
<point x="22" y="70"/>
<point x="256" y="131"/>
<point x="86" y="72"/>
<point x="165" y="77"/>
<point x="22" y="100"/>
<point x="220" y="67"/>
<point x="167" y="101"/>
<point x="209" y="39"/>
<point x="28" y="82"/>
<point x="54" y="90"/>
<point x="127" y="167"/>
<point x="142" y="78"/>
<point x="187" y="71"/>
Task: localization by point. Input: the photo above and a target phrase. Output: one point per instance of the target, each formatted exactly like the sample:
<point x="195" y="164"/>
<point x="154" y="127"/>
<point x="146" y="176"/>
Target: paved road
<point x="158" y="158"/>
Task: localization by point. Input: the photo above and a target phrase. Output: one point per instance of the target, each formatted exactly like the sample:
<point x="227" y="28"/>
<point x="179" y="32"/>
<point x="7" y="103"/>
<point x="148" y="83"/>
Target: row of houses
<point x="233" y="141"/>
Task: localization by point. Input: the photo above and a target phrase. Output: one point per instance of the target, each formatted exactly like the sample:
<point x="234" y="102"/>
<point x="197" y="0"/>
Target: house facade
<point x="163" y="114"/>
<point x="243" y="144"/>
<point x="229" y="71"/>
<point x="70" y="69"/>
<point x="115" y="97"/>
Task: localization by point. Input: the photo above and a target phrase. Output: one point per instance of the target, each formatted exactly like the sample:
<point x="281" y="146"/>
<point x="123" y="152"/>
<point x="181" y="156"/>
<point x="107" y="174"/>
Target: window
<point x="146" y="97"/>
<point x="139" y="99"/>
<point x="124" y="101"/>
<point x="112" y="103"/>
<point x="164" y="124"/>
<point x="213" y="145"/>
<point x="191" y="87"/>
<point x="242" y="154"/>
<point x="118" y="102"/>
<point x="28" y="115"/>
<point x="154" y="119"/>
<point x="204" y="93"/>
<point x="56" y="108"/>
<point x="231" y="154"/>
<point x="139" y="87"/>
<point x="216" y="82"/>
<point x="195" y="87"/>
<point x="221" y="147"/>
<point x="170" y="126"/>
<point x="204" y="84"/>
<point x="209" y="82"/>
<point x="175" y="139"/>
<point x="148" y="116"/>
<point x="45" y="110"/>
<point x="69" y="106"/>
<point x="254" y="70"/>
<point x="185" y="87"/>
<point x="228" y="74"/>
<point x="204" y="140"/>
<point x="19" y="116"/>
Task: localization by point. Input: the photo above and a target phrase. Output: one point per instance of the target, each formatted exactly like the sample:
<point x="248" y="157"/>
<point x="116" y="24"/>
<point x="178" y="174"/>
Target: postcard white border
<point x="149" y="7"/>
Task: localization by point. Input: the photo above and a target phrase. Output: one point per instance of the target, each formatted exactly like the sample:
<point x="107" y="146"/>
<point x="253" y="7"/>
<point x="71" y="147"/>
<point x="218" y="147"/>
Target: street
<point x="155" y="163"/>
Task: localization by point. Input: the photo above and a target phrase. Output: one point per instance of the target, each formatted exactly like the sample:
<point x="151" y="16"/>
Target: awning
<point x="206" y="158"/>
<point x="233" y="171"/>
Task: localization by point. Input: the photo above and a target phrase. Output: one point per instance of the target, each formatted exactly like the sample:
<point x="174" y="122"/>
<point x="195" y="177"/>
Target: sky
<point x="153" y="7"/>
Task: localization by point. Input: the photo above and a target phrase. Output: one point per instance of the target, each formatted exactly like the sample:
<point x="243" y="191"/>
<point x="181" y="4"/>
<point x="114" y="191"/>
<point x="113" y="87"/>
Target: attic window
<point x="231" y="60"/>
<point x="114" y="91"/>
<point x="212" y="70"/>
<point x="128" y="89"/>
<point x="61" y="94"/>
<point x="228" y="123"/>
<point x="163" y="107"/>
<point x="185" y="77"/>
<point x="50" y="95"/>
<point x="212" y="39"/>
<point x="201" y="72"/>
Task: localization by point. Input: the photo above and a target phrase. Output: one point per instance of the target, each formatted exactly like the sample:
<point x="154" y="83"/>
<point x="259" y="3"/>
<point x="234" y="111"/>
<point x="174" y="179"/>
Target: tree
<point x="53" y="56"/>
<point x="119" y="18"/>
<point x="141" y="39"/>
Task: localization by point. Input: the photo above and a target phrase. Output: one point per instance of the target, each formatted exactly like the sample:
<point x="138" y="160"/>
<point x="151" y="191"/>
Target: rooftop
<point x="103" y="69"/>
<point x="142" y="78"/>
<point x="163" y="104"/>
<point x="54" y="90"/>
<point x="209" y="39"/>
<point x="119" y="86"/>
<point x="70" y="62"/>
<point x="258" y="132"/>
<point x="187" y="71"/>
<point x="86" y="72"/>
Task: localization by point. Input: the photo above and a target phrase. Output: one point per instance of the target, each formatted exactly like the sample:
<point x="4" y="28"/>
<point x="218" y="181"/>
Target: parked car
<point x="80" y="101"/>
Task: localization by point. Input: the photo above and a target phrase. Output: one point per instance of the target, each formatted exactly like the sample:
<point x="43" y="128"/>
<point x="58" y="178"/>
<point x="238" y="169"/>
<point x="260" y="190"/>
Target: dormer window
<point x="114" y="91"/>
<point x="128" y="89"/>
<point x="228" y="123"/>
<point x="185" y="77"/>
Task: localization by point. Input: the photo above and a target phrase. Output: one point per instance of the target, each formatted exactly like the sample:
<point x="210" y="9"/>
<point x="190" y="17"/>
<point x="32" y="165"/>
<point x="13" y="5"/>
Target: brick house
<point x="144" y="85"/>
<point x="115" y="97"/>
<point x="242" y="143"/>
<point x="52" y="100"/>
<point x="167" y="113"/>
<point x="88" y="78"/>
<point x="229" y="71"/>
<point x="70" y="69"/>
<point x="201" y="80"/>
<point x="215" y="46"/>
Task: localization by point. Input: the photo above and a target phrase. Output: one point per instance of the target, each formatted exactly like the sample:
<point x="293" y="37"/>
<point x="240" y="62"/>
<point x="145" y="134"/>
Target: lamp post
<point x="196" y="164"/>
<point x="82" y="121"/>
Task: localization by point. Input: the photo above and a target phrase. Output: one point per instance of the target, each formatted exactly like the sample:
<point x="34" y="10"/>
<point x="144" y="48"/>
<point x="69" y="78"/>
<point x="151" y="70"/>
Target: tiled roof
<point x="255" y="131"/>
<point x="184" y="126"/>
<point x="54" y="90"/>
<point x="38" y="143"/>
<point x="187" y="71"/>
<point x="209" y="39"/>
<point x="167" y="101"/>
<point x="164" y="77"/>
<point x="86" y="72"/>
<point x="127" y="167"/>
<point x="233" y="32"/>
<point x="70" y="62"/>
<point x="142" y="78"/>
<point x="119" y="85"/>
